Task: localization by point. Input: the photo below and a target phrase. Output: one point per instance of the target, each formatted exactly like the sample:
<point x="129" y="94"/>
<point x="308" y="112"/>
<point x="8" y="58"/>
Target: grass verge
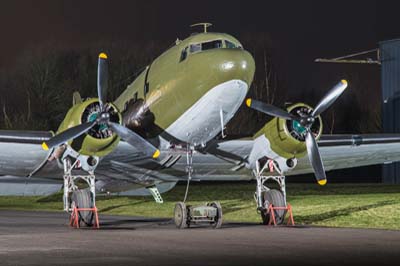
<point x="343" y="205"/>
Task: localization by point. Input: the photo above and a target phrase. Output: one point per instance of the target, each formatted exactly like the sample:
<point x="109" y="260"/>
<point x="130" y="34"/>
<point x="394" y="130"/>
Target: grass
<point x="343" y="205"/>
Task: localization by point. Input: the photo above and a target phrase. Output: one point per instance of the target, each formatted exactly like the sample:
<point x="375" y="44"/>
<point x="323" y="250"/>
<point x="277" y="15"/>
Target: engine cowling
<point x="287" y="138"/>
<point x="99" y="140"/>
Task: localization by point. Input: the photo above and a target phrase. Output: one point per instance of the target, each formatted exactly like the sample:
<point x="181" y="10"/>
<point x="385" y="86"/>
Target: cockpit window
<point x="195" y="48"/>
<point x="183" y="54"/>
<point x="230" y="45"/>
<point x="211" y="45"/>
<point x="198" y="47"/>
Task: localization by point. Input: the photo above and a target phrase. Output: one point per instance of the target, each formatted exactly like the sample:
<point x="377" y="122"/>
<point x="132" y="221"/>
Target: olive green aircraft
<point x="168" y="126"/>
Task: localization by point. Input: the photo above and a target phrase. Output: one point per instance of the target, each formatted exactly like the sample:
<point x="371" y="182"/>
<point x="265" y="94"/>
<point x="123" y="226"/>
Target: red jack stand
<point x="74" y="219"/>
<point x="272" y="219"/>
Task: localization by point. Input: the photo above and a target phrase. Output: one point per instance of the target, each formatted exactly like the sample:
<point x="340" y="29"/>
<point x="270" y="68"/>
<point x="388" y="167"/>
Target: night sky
<point x="300" y="30"/>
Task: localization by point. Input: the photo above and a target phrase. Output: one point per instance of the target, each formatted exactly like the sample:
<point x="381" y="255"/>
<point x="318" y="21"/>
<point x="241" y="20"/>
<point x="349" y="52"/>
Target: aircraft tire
<point x="82" y="198"/>
<point x="277" y="199"/>
<point x="180" y="215"/>
<point x="218" y="218"/>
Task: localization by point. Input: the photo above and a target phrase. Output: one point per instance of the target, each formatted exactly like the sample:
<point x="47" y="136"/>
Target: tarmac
<point x="44" y="238"/>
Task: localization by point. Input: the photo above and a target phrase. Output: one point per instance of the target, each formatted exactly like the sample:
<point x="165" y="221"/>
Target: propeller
<point x="305" y="120"/>
<point x="103" y="118"/>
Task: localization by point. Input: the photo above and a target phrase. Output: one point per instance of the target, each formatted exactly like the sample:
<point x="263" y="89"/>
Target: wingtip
<point x="102" y="56"/>
<point x="44" y="146"/>
<point x="248" y="102"/>
<point x="344" y="82"/>
<point x="322" y="182"/>
<point x="156" y="154"/>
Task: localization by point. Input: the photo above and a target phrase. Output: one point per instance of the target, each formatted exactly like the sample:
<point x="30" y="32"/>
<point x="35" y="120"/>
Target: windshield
<point x="198" y="47"/>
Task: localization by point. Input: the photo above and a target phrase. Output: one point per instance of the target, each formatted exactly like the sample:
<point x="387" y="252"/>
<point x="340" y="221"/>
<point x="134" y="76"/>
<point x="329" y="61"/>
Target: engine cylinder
<point x="98" y="141"/>
<point x="287" y="137"/>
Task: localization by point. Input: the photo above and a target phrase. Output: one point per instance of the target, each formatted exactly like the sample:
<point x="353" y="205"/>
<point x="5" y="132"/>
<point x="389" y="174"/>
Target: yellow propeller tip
<point x="248" y="102"/>
<point x="322" y="182"/>
<point x="156" y="154"/>
<point x="344" y="82"/>
<point x="103" y="56"/>
<point x="44" y="146"/>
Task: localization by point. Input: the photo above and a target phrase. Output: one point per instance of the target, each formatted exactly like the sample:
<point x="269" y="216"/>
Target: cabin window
<point x="230" y="45"/>
<point x="183" y="54"/>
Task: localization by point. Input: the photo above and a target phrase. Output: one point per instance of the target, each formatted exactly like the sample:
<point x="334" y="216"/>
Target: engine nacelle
<point x="99" y="140"/>
<point x="286" y="137"/>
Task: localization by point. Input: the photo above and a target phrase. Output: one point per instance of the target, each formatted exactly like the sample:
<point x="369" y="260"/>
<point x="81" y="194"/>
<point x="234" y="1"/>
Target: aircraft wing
<point x="21" y="153"/>
<point x="347" y="151"/>
<point x="337" y="152"/>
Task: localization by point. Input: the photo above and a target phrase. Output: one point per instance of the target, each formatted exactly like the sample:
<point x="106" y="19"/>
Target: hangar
<point x="390" y="83"/>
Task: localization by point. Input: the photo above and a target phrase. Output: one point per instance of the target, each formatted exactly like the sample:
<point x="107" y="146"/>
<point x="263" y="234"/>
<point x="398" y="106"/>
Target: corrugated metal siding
<point x="390" y="79"/>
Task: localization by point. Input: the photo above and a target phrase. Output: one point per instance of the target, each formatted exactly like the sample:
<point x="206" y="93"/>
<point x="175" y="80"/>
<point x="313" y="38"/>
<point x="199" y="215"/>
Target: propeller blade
<point x="329" y="98"/>
<point x="269" y="109"/>
<point x="315" y="158"/>
<point x="68" y="134"/>
<point x="134" y="139"/>
<point x="102" y="79"/>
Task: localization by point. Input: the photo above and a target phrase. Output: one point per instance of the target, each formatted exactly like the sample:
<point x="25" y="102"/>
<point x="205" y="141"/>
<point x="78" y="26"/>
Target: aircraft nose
<point x="236" y="64"/>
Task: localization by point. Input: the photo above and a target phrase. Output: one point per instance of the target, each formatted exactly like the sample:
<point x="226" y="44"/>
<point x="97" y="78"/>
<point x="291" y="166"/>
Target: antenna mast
<point x="204" y="24"/>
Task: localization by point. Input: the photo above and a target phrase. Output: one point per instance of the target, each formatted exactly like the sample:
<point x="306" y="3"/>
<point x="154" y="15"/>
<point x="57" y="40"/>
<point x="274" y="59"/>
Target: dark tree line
<point x="37" y="90"/>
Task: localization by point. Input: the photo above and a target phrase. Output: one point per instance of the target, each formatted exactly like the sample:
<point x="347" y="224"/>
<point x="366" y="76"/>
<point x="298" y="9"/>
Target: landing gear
<point x="265" y="196"/>
<point x="76" y="198"/>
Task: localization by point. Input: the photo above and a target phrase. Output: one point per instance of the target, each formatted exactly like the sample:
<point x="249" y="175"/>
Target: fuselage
<point x="208" y="73"/>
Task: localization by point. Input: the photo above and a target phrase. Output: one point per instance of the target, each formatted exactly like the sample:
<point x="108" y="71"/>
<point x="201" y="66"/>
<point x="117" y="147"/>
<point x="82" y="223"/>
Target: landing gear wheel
<point x="218" y="218"/>
<point x="277" y="199"/>
<point x="82" y="198"/>
<point x="180" y="215"/>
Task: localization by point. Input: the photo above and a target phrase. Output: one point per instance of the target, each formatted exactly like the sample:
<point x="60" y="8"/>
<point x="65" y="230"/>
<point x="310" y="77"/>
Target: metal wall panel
<point x="390" y="82"/>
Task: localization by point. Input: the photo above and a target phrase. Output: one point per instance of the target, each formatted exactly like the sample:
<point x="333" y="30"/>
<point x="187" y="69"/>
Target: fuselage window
<point x="183" y="54"/>
<point x="230" y="45"/>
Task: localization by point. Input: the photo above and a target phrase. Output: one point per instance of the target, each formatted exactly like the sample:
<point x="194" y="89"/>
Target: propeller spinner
<point x="306" y="121"/>
<point x="103" y="118"/>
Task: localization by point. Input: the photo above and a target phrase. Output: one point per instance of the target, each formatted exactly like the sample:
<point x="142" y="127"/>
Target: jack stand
<point x="74" y="219"/>
<point x="272" y="209"/>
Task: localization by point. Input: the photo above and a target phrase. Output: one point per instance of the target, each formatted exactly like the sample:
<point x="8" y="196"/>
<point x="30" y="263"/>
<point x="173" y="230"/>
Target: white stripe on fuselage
<point x="202" y="122"/>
